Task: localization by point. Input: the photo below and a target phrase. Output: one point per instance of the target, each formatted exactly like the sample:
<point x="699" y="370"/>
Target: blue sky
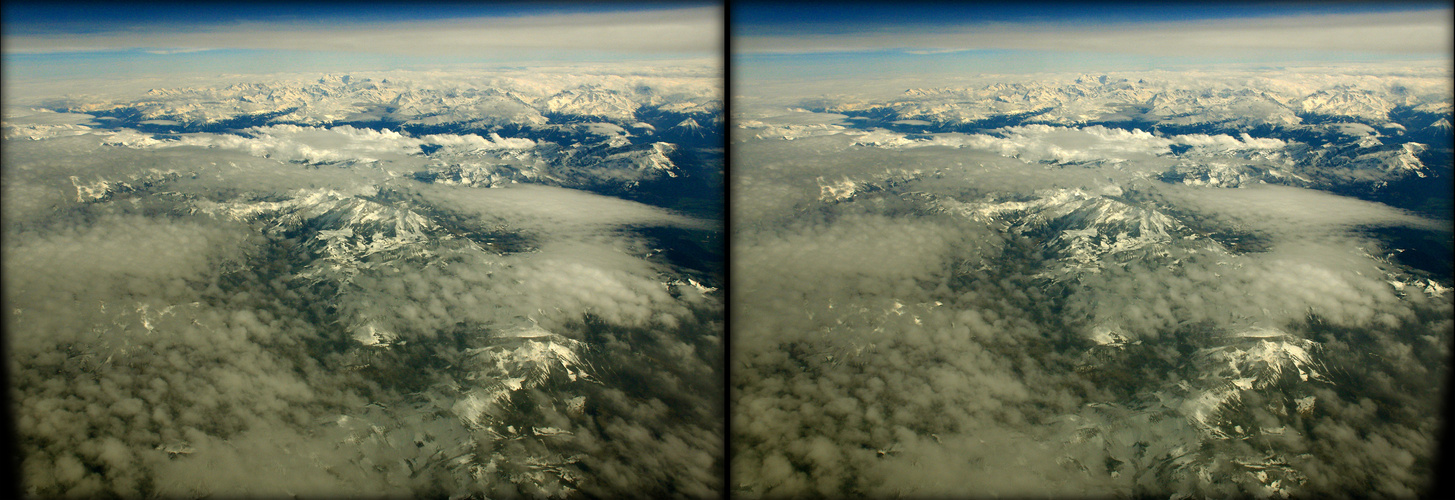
<point x="31" y="17"/>
<point x="820" y="39"/>
<point x="757" y="16"/>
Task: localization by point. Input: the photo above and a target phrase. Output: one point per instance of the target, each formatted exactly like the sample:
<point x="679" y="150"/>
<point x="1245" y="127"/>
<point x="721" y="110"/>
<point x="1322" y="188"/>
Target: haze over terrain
<point x="411" y="274"/>
<point x="1151" y="260"/>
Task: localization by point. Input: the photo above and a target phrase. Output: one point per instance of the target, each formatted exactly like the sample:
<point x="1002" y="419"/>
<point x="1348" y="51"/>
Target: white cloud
<point x="37" y="124"/>
<point x="1290" y="212"/>
<point x="471" y="141"/>
<point x="1032" y="310"/>
<point x="295" y="143"/>
<point x="553" y="210"/>
<point x="189" y="312"/>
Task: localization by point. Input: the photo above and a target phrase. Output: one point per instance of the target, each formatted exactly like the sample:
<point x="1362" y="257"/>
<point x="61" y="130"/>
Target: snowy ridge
<point x="592" y="101"/>
<point x="1257" y="359"/>
<point x="486" y="100"/>
<point x="343" y="229"/>
<point x="1346" y="101"/>
<point x="1085" y="230"/>
<point x="1235" y="101"/>
<point x="1261" y="356"/>
<point x="689" y="124"/>
<point x="649" y="163"/>
<point x="1367" y="161"/>
<point x="846" y="188"/>
<point x="611" y="163"/>
<point x="1208" y="407"/>
<point x="690" y="127"/>
<point x="343" y="236"/>
<point x="516" y="360"/>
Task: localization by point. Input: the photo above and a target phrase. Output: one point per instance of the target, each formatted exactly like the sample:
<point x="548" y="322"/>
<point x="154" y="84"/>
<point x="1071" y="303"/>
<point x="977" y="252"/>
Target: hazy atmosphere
<point x="410" y="270"/>
<point x="1069" y="250"/>
<point x="758" y="250"/>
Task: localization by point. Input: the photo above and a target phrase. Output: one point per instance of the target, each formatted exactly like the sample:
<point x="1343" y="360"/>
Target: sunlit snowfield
<point x="1165" y="283"/>
<point x="485" y="283"/>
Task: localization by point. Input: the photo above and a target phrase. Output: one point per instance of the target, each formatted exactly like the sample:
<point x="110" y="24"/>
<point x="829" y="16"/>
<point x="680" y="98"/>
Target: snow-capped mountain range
<point x="1236" y="102"/>
<point x="624" y="136"/>
<point x="467" y="245"/>
<point x="415" y="100"/>
<point x="1378" y="139"/>
<point x="1190" y="242"/>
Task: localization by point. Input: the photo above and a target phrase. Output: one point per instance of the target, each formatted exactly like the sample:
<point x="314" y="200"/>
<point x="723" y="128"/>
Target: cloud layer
<point x="1031" y="309"/>
<point x="1422" y="32"/>
<point x="188" y="311"/>
<point x="697" y="29"/>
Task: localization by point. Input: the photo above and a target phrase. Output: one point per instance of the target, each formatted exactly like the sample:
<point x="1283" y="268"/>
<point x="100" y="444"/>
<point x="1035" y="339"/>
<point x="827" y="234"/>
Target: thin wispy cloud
<point x="1410" y="32"/>
<point x="657" y="31"/>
